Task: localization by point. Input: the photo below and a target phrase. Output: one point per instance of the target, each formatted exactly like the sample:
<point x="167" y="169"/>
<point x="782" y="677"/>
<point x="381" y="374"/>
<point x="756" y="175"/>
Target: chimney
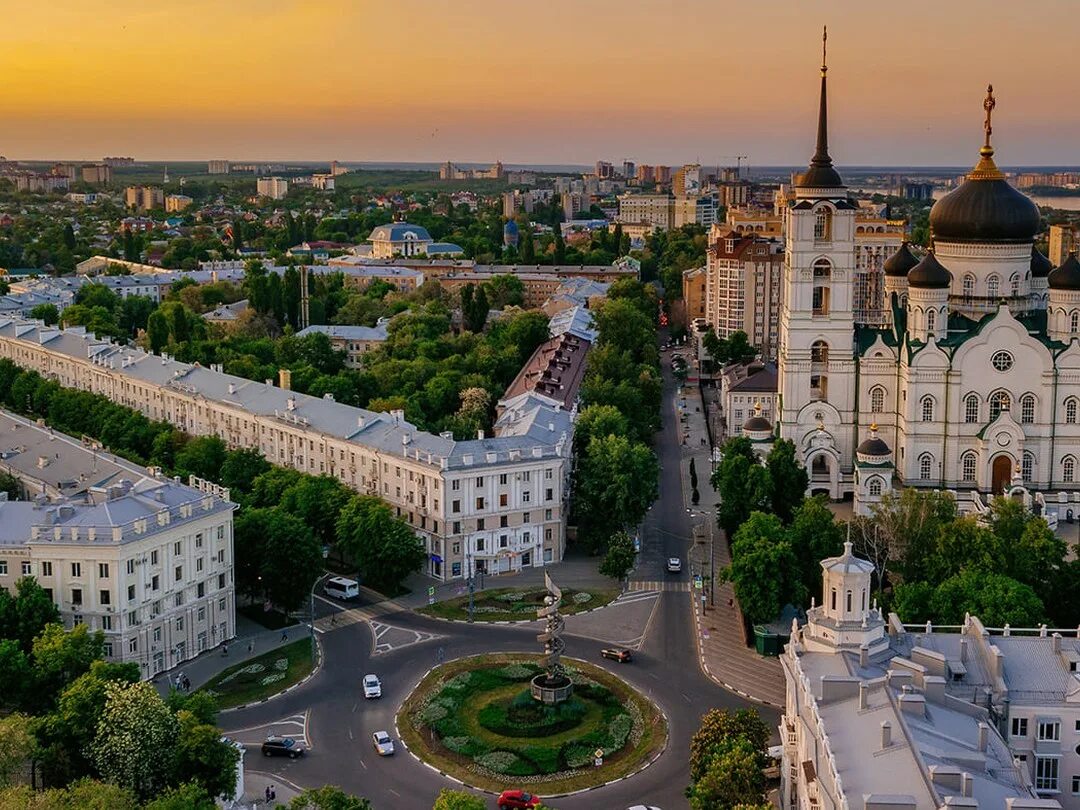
<point x="984" y="735"/>
<point x="480" y="434"/>
<point x="886" y="734"/>
<point x="864" y="693"/>
<point x="1057" y="643"/>
<point x="864" y="655"/>
<point x="965" y="784"/>
<point x="963" y="650"/>
<point x="232" y="388"/>
<point x="290" y="403"/>
<point x="285" y="379"/>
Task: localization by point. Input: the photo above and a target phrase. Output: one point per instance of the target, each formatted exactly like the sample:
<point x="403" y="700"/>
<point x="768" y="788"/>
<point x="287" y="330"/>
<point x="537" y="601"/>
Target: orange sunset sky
<point x="562" y="81"/>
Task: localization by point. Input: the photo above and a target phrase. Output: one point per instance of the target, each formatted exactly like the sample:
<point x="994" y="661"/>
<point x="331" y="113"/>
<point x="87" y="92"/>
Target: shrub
<point x="525" y="717"/>
<point x="518" y="672"/>
<point x="577" y="754"/>
<point x="619" y="731"/>
<point x="544" y="759"/>
<point x="498" y="761"/>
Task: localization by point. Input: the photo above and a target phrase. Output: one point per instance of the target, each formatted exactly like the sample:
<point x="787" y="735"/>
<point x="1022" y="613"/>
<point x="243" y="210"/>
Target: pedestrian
<point x="273" y="794"/>
<point x="284" y="635"/>
<point x="267" y="794"/>
<point x="224" y="650"/>
<point x="251" y="646"/>
<point x="187" y="684"/>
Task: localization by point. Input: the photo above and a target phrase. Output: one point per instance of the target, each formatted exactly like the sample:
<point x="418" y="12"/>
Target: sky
<point x="563" y="81"/>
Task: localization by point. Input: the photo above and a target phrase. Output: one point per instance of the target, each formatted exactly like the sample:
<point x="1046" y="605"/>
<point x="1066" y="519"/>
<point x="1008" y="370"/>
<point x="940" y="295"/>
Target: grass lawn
<point x="496" y="605"/>
<point x="244" y="682"/>
<point x="425" y="744"/>
<point x="270" y="619"/>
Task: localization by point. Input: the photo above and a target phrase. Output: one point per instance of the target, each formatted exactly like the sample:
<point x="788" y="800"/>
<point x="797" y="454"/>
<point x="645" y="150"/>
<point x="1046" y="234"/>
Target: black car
<point x="282" y="747"/>
<point x="617" y="654"/>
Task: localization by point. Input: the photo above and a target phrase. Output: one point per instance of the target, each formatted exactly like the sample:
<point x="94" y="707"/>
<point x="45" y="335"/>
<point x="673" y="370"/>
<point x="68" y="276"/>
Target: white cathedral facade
<point x="974" y="384"/>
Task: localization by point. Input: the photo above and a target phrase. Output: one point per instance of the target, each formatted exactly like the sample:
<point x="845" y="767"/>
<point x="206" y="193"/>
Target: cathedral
<point x="973" y="384"/>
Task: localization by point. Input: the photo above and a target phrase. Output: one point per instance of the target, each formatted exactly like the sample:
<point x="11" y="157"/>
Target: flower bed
<point x="513" y="604"/>
<point x="472" y="718"/>
<point x="263" y="676"/>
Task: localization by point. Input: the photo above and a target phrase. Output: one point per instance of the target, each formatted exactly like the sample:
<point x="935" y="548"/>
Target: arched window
<point x="819" y="352"/>
<point x="823" y="224"/>
<point x="1014" y="284"/>
<point x="1027" y="467"/>
<point x="926" y="466"/>
<point x="967" y="467"/>
<point x="930" y="318"/>
<point x="874" y="487"/>
<point x="1068" y="469"/>
<point x="849" y="601"/>
<point x="969" y="285"/>
<point x="993" y="283"/>
<point x="832" y="598"/>
<point x="927" y="407"/>
<point x="1027" y="409"/>
<point x="822" y="286"/>
<point x="1070" y="411"/>
<point x="1074" y="322"/>
<point x="877" y="399"/>
<point x="971" y="408"/>
<point x="999" y="401"/>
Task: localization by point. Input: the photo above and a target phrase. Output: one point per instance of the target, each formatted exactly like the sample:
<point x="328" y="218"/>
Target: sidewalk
<point x="724" y="656"/>
<point x="210" y="663"/>
<point x="255" y="784"/>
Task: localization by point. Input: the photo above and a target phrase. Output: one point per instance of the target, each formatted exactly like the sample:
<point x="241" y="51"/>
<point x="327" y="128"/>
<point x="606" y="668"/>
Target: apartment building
<point x="1063" y="241"/>
<point x="354" y="341"/>
<point x="217" y="167"/>
<point x="144" y="198"/>
<point x="273" y="187"/>
<point x="323" y="182"/>
<point x="177" y="202"/>
<point x="123" y="549"/>
<point x="493" y="503"/>
<point x="97" y="173"/>
<point x="655" y="210"/>
<point x="742" y="286"/>
<point x="694" y="292"/>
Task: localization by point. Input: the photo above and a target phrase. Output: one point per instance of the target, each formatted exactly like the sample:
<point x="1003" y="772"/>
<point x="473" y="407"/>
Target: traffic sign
<point x="431" y="590"/>
<point x="697" y="582"/>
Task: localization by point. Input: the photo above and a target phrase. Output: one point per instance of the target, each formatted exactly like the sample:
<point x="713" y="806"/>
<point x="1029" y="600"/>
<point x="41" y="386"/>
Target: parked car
<point x="517" y="800"/>
<point x="674" y="565"/>
<point x="384" y="746"/>
<point x="372" y="687"/>
<point x="275" y="746"/>
<point x="617" y="654"/>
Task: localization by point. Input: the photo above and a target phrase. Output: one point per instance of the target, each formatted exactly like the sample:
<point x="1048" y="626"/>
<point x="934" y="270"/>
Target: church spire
<point x="986" y="169"/>
<point x="821" y="173"/>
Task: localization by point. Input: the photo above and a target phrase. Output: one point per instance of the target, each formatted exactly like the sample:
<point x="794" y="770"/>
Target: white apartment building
<point x="122" y="549"/>
<point x="495" y="503"/>
<point x="177" y="202"/>
<point x="656" y="210"/>
<point x="217" y="167"/>
<point x="354" y="341"/>
<point x="273" y="187"/>
<point x="323" y="182"/>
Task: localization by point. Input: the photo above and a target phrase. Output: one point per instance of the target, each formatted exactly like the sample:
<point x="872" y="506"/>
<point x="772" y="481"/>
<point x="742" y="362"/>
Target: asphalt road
<point x="339" y="721"/>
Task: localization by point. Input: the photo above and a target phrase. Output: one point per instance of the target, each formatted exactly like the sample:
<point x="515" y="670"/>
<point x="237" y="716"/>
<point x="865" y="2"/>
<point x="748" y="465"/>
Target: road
<point x="332" y="714"/>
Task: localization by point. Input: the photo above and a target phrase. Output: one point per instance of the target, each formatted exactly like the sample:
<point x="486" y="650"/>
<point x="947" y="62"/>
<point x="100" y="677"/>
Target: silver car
<point x="384" y="746"/>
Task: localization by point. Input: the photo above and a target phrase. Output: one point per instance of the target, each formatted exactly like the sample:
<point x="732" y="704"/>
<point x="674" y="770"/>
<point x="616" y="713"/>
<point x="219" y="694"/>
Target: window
<point x="131" y="566"/>
<point x="967" y="464"/>
<point x="823" y="224"/>
<point x="1076" y="785"/>
<point x="220" y="581"/>
<point x="106" y="624"/>
<point x="549" y="494"/>
<point x="155" y="583"/>
<point x="3" y="567"/>
<point x="198" y="541"/>
<point x="179" y="623"/>
<point x="27" y="568"/>
<point x="179" y="573"/>
<point x="971" y="408"/>
<point x="200" y="590"/>
<point x="1068" y="469"/>
<point x="455" y="569"/>
<point x="930" y="316"/>
<point x="1027" y="467"/>
<point x="877" y="400"/>
<point x="502" y="479"/>
<point x="1002" y="361"/>
<point x="131" y="593"/>
<point x="1049" y="730"/>
<point x="479" y="503"/>
<point x="46" y="568"/>
<point x="875" y="487"/>
<point x="927" y="406"/>
<point x="479" y="480"/>
<point x="1070" y="411"/>
<point x="992" y="285"/>
<point x="969" y="286"/>
<point x="926" y="466"/>
<point x="502" y="499"/>
<point x="455" y="506"/>
<point x="153" y="557"/>
<point x="76" y="596"/>
<point x="819" y="352"/>
<point x="525" y="496"/>
<point x="1027" y="409"/>
<point x="199" y="564"/>
<point x="1074" y="322"/>
<point x="133" y="645"/>
<point x="480" y="524"/>
<point x="103" y="570"/>
<point x="178" y="600"/>
<point x="76" y="570"/>
<point x="999" y="401"/>
<point x="105" y="597"/>
<point x="1046" y="773"/>
<point x="455" y="485"/>
<point x="479" y="543"/>
<point x="1014" y="285"/>
<point x="176" y="549"/>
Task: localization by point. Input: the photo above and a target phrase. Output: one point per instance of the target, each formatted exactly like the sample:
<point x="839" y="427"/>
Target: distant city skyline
<point x="419" y="82"/>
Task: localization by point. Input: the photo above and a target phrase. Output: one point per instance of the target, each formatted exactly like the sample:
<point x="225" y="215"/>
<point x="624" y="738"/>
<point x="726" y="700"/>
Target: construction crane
<point x="738" y="161"/>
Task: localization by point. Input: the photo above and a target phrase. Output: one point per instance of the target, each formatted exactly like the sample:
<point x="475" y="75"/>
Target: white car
<point x="674" y="565"/>
<point x="643" y="807"/>
<point x="384" y="746"/>
<point x="372" y="687"/>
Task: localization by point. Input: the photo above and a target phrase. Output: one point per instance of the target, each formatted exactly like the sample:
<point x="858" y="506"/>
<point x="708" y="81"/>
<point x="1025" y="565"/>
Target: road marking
<point x="363" y="764"/>
<point x="353" y="738"/>
<point x="658" y="585"/>
<point x="380" y="630"/>
<point x="391" y="790"/>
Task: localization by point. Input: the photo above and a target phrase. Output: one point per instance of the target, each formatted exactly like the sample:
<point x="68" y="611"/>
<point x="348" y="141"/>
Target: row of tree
<point x="728" y="755"/>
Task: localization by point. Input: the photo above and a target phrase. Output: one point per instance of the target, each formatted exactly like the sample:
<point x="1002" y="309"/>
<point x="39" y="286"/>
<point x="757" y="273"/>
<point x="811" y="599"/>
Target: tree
<point x="33" y="610"/>
<point x="135" y="739"/>
<point x="16" y="746"/>
<point x="474" y="308"/>
<point x="267" y="489"/>
<point x="60" y="656"/>
<point x="620" y="555"/>
<point x="616" y="484"/>
<point x="157" y="331"/>
<point x="505" y="290"/>
<point x="317" y="501"/>
<point x="202" y="757"/>
<point x="241" y="468"/>
<point x="719" y="725"/>
<point x="764" y="570"/>
<point x="188" y="796"/>
<point x="278" y="557"/>
<point x="202" y="457"/>
<point x="908" y="525"/>
<point x="46" y="312"/>
<point x="290" y="285"/>
<point x="814" y="535"/>
<point x="135" y="311"/>
<point x="15" y="674"/>
<point x="732" y="777"/>
<point x="382" y="546"/>
<point x="458" y="800"/>
<point x="328" y="797"/>
<point x="995" y="598"/>
<point x="743" y="484"/>
<point x="85" y="794"/>
<point x="599" y="421"/>
<point x="788" y="479"/>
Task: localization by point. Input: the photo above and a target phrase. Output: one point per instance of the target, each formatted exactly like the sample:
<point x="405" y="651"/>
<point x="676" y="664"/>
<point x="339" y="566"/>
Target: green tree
<point x="46" y="312"/>
<point x="383" y="547"/>
<point x="60" y="656"/>
<point x="907" y="526"/>
<point x="241" y="468"/>
<point x="134" y="746"/>
<point x="16" y="746"/>
<point x="788" y="479"/>
<point x="16" y="675"/>
<point x="764" y="570"/>
<point x="135" y="311"/>
<point x="619" y="557"/>
<point x="69" y="236"/>
<point x="458" y="800"/>
<point x="743" y="484"/>
<point x="97" y="295"/>
<point x="616" y="484"/>
<point x="278" y="557"/>
<point x="505" y="290"/>
<point x="599" y="421"/>
<point x="268" y="488"/>
<point x="328" y="797"/>
<point x="85" y="794"/>
<point x="157" y="331"/>
<point x="33" y="610"/>
<point x="814" y="535"/>
<point x="203" y="757"/>
<point x="188" y="796"/>
<point x="474" y="308"/>
<point x="202" y="456"/>
<point x="290" y="284"/>
<point x="732" y="777"/>
<point x="719" y="725"/>
<point x="995" y="598"/>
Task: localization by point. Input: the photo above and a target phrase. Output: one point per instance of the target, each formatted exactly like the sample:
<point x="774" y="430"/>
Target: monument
<point x="553" y="685"/>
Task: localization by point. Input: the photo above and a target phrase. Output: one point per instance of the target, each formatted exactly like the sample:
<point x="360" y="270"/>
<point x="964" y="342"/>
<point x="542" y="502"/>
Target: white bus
<point x="341" y="588"/>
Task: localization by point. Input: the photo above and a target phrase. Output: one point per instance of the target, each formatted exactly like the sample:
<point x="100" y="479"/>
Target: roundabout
<point x="476" y="720"/>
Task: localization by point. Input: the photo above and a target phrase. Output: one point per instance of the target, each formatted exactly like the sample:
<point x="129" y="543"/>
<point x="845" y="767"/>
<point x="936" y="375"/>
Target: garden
<point x="476" y="719"/>
<point x="263" y="676"/>
<point x="511" y="605"/>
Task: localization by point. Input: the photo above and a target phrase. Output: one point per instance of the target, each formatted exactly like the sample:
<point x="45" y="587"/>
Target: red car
<point x="517" y="800"/>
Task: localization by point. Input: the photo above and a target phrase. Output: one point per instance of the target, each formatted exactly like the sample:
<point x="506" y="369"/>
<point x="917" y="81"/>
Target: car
<point x="517" y="800"/>
<point x="277" y="746"/>
<point x="384" y="746"/>
<point x="617" y="654"/>
<point x="674" y="565"/>
<point x="643" y="807"/>
<point x="372" y="686"/>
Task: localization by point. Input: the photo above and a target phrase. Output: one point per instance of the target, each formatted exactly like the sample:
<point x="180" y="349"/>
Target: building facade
<point x="273" y="187"/>
<point x="654" y="210"/>
<point x="742" y="286"/>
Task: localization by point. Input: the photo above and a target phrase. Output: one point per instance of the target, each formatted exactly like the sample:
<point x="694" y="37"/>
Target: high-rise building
<point x="323" y="182"/>
<point x="687" y="181"/>
<point x="628" y="169"/>
<point x="1063" y="241"/>
<point x="663" y="175"/>
<point x="177" y="202"/>
<point x="573" y="203"/>
<point x="645" y="173"/>
<point x="144" y="198"/>
<point x="604" y="170"/>
<point x="273" y="187"/>
<point x="98" y="173"/>
<point x="656" y="210"/>
<point x="217" y="167"/>
<point x="743" y="286"/>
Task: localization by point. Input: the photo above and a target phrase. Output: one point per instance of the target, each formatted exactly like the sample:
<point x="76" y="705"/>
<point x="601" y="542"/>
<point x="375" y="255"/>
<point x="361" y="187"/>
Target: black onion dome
<point x="1040" y="265"/>
<point x="929" y="274"/>
<point x="985" y="209"/>
<point x="873" y="446"/>
<point x="901" y="262"/>
<point x="1067" y="276"/>
<point x="755" y="423"/>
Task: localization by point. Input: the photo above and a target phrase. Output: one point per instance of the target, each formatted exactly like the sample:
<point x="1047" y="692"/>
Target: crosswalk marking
<point x="634" y="595"/>
<point x="659" y="585"/>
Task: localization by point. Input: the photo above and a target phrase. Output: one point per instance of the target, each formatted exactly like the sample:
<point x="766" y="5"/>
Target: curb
<point x="414" y="755"/>
<point x="285" y="691"/>
<point x="713" y="678"/>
